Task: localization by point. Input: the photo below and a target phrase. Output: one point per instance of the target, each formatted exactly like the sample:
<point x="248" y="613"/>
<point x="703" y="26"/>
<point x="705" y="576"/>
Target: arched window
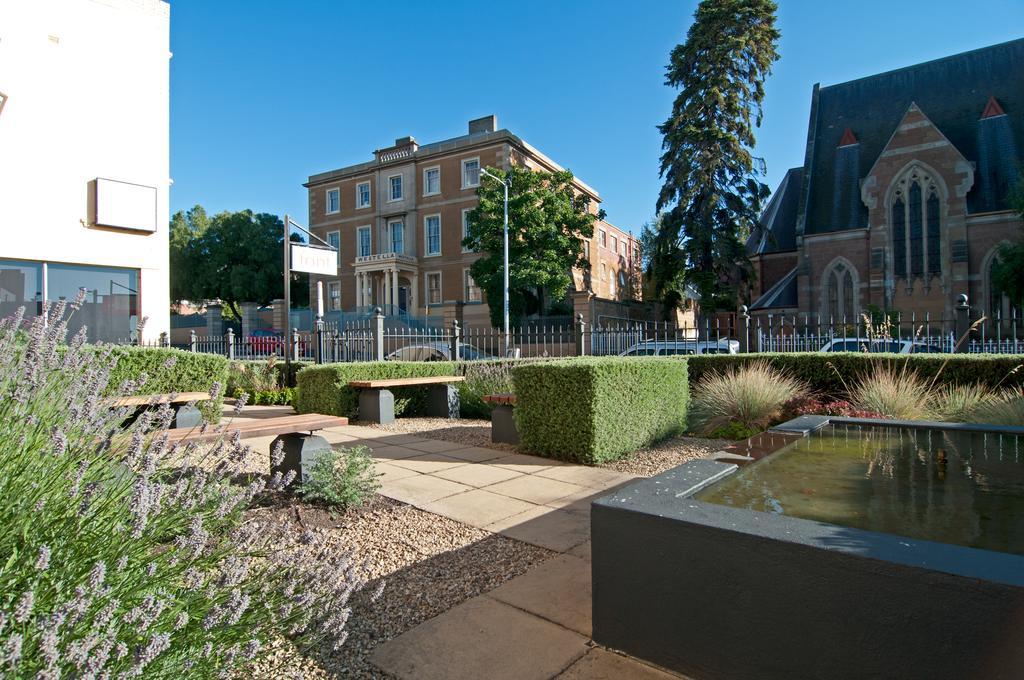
<point x="840" y="292"/>
<point x="998" y="303"/>
<point x="916" y="226"/>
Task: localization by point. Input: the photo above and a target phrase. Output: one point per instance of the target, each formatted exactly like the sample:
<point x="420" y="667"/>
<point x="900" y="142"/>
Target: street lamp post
<point x="504" y="183"/>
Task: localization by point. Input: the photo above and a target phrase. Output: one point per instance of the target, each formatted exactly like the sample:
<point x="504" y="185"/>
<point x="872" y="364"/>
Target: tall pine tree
<point x="711" y="197"/>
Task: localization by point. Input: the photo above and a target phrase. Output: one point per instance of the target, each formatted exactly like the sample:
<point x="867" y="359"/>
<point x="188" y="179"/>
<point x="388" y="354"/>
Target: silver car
<point x="651" y="348"/>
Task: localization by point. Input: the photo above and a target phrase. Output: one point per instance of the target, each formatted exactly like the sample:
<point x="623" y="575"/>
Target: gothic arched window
<point x="932" y="210"/>
<point x="899" y="237"/>
<point x="916" y="235"/>
<point x="840" y="292"/>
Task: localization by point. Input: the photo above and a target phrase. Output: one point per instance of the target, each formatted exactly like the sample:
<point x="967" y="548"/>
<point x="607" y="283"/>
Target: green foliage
<point x="733" y="430"/>
<point x="894" y="393"/>
<point x="324" y="389"/>
<point x="1006" y="408"/>
<point x="832" y="373"/>
<point x="344" y="478"/>
<point x="234" y="257"/>
<point x="959" y="403"/>
<point x="591" y="410"/>
<point x="1008" y="273"/>
<point x="711" y="199"/>
<point x="282" y="397"/>
<point x="548" y="218"/>
<point x="187" y="372"/>
<point x="752" y="395"/>
<point x="253" y="376"/>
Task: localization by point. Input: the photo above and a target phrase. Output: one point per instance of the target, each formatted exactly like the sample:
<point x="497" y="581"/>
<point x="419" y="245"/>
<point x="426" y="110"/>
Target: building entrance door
<point x="403" y="298"/>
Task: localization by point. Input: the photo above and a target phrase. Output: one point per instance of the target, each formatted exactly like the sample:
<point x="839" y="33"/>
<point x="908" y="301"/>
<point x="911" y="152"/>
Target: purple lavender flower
<point x="12" y="650"/>
<point x="240" y="402"/>
<point x="58" y="443"/>
<point x="43" y="560"/>
<point x="23" y="609"/>
<point x="215" y="390"/>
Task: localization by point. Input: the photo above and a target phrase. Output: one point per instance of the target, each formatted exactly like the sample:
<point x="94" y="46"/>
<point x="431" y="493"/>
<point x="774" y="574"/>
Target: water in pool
<point x="953" y="487"/>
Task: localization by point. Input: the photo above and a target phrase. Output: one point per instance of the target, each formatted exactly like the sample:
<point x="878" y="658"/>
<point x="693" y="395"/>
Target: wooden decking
<point x="307" y="422"/>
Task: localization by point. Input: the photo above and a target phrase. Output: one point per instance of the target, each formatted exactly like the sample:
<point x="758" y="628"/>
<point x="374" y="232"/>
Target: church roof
<point x="953" y="92"/>
<point x="782" y="295"/>
<point x="776" y="231"/>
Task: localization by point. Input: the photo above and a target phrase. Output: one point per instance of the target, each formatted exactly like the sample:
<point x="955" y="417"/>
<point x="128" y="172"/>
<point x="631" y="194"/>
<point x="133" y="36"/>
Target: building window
<point x="636" y="254"/>
<point x="395" y="182"/>
<point x="334" y="296"/>
<point x="363" y="235"/>
<point x="615" y="245"/>
<point x="472" y="292"/>
<point x="334" y="241"/>
<point x="432" y="234"/>
<point x="109" y="312"/>
<point x="586" y="250"/>
<point x="602" y="238"/>
<point x="916" y="226"/>
<point x="363" y="195"/>
<point x="604" y="272"/>
<point x="465" y="228"/>
<point x="611" y="286"/>
<point x="998" y="302"/>
<point x="470" y="173"/>
<point x="431" y="181"/>
<point x="396" y="234"/>
<point x="840" y="293"/>
<point x="434" y="288"/>
<point x="333" y="201"/>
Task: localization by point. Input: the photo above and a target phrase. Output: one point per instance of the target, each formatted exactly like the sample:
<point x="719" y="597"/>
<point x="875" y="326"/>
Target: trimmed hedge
<point x="595" y="409"/>
<point x="192" y="372"/>
<point x="324" y="389"/>
<point x="814" y="367"/>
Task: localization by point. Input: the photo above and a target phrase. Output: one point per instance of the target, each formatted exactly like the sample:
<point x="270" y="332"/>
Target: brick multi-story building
<point x="902" y="201"/>
<point x="399" y="220"/>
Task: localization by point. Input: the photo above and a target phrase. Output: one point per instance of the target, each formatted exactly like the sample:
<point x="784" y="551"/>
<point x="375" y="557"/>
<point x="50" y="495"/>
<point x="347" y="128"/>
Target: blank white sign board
<point x="125" y="206"/>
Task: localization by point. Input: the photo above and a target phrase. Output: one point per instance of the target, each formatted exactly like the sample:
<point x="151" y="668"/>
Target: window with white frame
<point x="432" y="234"/>
<point x="465" y="227"/>
<point x="586" y="250"/>
<point x="396" y="233"/>
<point x="431" y="181"/>
<point x="363" y="195"/>
<point x="470" y="173"/>
<point x="472" y="291"/>
<point x="395" y="192"/>
<point x="334" y="241"/>
<point x="604" y="271"/>
<point x="363" y="238"/>
<point x="603" y="238"/>
<point x="433" y="288"/>
<point x="334" y="296"/>
<point x="615" y="245"/>
<point x="333" y="202"/>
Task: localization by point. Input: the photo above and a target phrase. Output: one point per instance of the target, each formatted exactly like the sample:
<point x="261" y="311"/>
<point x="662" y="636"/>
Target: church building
<point x="903" y="198"/>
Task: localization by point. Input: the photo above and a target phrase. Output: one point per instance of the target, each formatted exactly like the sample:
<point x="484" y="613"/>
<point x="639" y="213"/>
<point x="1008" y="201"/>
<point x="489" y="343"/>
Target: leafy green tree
<point x="1008" y="272"/>
<point x="234" y="257"/>
<point x="547" y="218"/>
<point x="711" y="196"/>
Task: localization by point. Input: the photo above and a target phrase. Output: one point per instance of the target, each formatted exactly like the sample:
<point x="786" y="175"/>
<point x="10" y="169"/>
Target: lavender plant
<point x="123" y="555"/>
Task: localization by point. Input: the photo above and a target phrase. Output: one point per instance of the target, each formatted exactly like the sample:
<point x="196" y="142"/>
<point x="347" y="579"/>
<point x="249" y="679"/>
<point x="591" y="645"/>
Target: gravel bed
<point x="462" y="431"/>
<point x="665" y="455"/>
<point x="428" y="563"/>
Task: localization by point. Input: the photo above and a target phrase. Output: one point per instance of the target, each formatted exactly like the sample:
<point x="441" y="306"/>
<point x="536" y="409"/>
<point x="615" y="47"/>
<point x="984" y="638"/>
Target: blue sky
<point x="265" y="93"/>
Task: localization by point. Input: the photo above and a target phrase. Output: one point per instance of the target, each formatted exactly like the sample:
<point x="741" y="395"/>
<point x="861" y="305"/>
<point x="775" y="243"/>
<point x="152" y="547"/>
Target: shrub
<point x="824" y="406"/>
<point x="122" y="557"/>
<point x="590" y="410"/>
<point x="253" y="376"/>
<point x="154" y="370"/>
<point x="324" y="389"/>
<point x="958" y="403"/>
<point x="752" y="395"/>
<point x="1006" y="408"/>
<point x="733" y="430"/>
<point x="282" y="397"/>
<point x="900" y="394"/>
<point x="342" y="477"/>
<point x="483" y="378"/>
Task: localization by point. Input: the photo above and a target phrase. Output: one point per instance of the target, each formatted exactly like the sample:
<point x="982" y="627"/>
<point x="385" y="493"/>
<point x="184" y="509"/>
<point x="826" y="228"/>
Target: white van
<point x="651" y="348"/>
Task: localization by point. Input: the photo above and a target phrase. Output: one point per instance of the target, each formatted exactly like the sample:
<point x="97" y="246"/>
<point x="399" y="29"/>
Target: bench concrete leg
<point x="187" y="417"/>
<point x="443" y="401"/>
<point x="300" y="452"/>
<point x="503" y="425"/>
<point x="377" y="406"/>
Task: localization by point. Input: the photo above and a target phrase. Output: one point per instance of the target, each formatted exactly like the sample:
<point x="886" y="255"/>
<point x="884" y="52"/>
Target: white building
<point x="84" y="160"/>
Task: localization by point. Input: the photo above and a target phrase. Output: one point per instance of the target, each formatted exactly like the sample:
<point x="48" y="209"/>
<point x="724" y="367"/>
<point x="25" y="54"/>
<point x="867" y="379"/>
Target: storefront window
<point x="21" y="285"/>
<point x="111" y="309"/>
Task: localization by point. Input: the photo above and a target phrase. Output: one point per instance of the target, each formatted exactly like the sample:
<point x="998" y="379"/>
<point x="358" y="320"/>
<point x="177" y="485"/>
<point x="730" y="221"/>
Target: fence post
<point x="581" y="329"/>
<point x="378" y="334"/>
<point x="744" y="329"/>
<point x="193" y="341"/>
<point x="231" y="343"/>
<point x="456" y="341"/>
<point x="963" y="324"/>
<point x="295" y="344"/>
<point x="164" y="340"/>
<point x="318" y="338"/>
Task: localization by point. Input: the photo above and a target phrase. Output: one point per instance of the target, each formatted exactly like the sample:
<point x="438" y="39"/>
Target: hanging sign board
<point x="314" y="260"/>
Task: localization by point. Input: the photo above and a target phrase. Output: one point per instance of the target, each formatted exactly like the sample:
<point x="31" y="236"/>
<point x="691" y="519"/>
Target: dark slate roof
<point x="777" y="229"/>
<point x="952" y="92"/>
<point x="780" y="296"/>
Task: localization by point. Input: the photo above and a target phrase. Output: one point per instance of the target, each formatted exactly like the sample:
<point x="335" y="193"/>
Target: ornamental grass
<point x="752" y="396"/>
<point x="122" y="555"/>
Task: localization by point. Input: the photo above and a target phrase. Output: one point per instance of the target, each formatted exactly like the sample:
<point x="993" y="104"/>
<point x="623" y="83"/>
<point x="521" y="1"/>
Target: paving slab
<point x="390" y="473"/>
<point x="580" y="500"/>
<point x="478" y="507"/>
<point x="601" y="664"/>
<point x="398" y="439"/>
<point x="530" y="464"/>
<point x="557" y="590"/>
<point x="481" y="638"/>
<point x="477" y="475"/>
<point x="428" y="463"/>
<point x="477" y="454"/>
<point x="435" y="446"/>
<point x="535" y="489"/>
<point x="421" y="490"/>
<point x="337" y="435"/>
<point x="558" y="530"/>
<point x="594" y="478"/>
<point x="582" y="551"/>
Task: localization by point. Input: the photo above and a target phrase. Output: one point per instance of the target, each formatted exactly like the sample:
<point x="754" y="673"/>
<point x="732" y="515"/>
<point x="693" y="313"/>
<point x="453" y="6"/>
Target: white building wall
<point x="87" y="83"/>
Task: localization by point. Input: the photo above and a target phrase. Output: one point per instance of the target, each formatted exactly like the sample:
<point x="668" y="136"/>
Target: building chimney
<point x="485" y="124"/>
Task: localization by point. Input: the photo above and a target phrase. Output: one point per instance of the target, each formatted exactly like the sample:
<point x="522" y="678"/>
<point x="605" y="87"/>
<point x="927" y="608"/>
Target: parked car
<point x="650" y="348"/>
<point x="268" y="341"/>
<point x="876" y="345"/>
<point x="436" y="351"/>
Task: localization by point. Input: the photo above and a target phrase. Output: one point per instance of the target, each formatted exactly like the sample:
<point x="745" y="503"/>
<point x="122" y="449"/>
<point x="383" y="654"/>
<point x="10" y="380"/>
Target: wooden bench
<point x="185" y="415"/>
<point x="503" y="423"/>
<point x="377" y="403"/>
<point x="299" y="444"/>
